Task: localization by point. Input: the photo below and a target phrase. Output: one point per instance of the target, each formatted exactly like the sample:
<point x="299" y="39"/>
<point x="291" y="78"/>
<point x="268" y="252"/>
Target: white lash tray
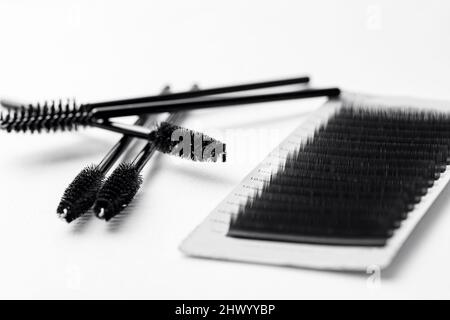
<point x="209" y="239"/>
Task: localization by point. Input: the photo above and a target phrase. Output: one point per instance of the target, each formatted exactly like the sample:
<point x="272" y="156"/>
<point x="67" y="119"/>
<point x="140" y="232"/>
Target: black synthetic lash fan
<point x="353" y="182"/>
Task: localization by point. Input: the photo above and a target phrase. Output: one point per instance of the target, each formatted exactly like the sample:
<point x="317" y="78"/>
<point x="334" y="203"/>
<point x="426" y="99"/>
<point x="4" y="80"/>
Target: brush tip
<point x="188" y="144"/>
<point x="51" y="116"/>
<point x="80" y="195"/>
<point x="117" y="191"/>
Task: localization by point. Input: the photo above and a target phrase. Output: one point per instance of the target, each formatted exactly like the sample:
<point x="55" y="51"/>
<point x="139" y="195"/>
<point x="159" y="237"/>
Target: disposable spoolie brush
<point x="56" y="116"/>
<point x="80" y="195"/>
<point x="123" y="184"/>
<point x="118" y="190"/>
<point x="82" y="192"/>
<point x="52" y="117"/>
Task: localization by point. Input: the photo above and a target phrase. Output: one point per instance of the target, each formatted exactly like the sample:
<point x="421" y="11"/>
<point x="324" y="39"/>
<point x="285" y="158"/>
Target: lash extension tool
<point x="53" y="119"/>
<point x="124" y="182"/>
<point x="81" y="194"/>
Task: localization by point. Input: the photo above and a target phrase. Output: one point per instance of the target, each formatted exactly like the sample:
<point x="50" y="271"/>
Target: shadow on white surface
<point x="83" y="148"/>
<point x="117" y="223"/>
<point x="201" y="174"/>
<point x="269" y="120"/>
<point x="82" y="222"/>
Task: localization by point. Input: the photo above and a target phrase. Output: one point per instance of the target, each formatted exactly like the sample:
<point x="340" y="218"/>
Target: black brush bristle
<point x="186" y="143"/>
<point x="80" y="195"/>
<point x="353" y="183"/>
<point x="53" y="116"/>
<point x="118" y="191"/>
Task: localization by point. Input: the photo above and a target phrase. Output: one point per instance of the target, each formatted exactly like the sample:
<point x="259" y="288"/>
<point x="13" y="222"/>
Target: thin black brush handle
<point x="144" y="156"/>
<point x="126" y="129"/>
<point x="185" y="94"/>
<point x="119" y="148"/>
<point x="136" y="130"/>
<point x="144" y="108"/>
<point x="200" y="93"/>
<point x="132" y="130"/>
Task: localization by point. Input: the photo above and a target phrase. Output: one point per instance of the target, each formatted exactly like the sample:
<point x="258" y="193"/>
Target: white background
<point x="96" y="50"/>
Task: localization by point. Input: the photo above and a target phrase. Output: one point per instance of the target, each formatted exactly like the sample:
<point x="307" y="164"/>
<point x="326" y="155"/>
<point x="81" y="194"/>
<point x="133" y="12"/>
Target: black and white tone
<point x="239" y="150"/>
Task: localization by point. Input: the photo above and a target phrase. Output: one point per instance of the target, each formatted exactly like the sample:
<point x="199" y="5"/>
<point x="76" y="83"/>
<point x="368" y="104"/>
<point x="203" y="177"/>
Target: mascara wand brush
<point x="80" y="195"/>
<point x="82" y="192"/>
<point x="123" y="184"/>
<point x="125" y="181"/>
<point x="53" y="119"/>
<point x="43" y="118"/>
<point x="53" y="116"/>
